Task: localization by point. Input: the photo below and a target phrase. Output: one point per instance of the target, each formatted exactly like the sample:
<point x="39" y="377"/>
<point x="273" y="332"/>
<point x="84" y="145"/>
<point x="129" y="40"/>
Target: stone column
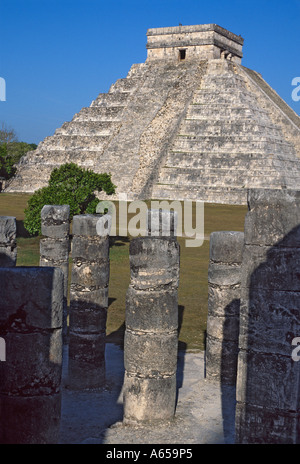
<point x="268" y="395"/>
<point x="8" y="244"/>
<point x="31" y="302"/>
<point x="151" y="338"/>
<point x="224" y="282"/>
<point x="54" y="247"/>
<point x="89" y="300"/>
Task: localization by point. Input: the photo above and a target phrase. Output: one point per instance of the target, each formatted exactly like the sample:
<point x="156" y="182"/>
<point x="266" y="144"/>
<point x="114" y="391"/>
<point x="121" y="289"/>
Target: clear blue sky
<point x="57" y="55"/>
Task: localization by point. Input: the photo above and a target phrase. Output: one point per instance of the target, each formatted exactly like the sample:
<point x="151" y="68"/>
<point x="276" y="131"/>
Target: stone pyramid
<point x="189" y="123"/>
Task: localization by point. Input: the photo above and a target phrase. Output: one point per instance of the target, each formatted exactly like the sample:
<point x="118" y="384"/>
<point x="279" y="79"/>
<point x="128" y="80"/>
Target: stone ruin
<point x="253" y="319"/>
<point x="191" y="122"/>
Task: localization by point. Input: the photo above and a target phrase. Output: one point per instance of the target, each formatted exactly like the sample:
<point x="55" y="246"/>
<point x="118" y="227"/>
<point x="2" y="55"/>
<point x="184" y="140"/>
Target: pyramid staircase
<point x="106" y="135"/>
<point x="81" y="140"/>
<point x="226" y="144"/>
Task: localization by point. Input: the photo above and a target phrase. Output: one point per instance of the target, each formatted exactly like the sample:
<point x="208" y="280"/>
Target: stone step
<point x="84" y="157"/>
<point x="169" y="175"/>
<point x="111" y="99"/>
<point x="206" y="170"/>
<point x="240" y="145"/>
<point x="191" y="184"/>
<point x="208" y="194"/>
<point x="215" y="111"/>
<point x="231" y="96"/>
<point x="211" y="160"/>
<point x="87" y="128"/>
<point x="75" y="141"/>
<point x="124" y="85"/>
<point x="99" y="113"/>
<point x="223" y="83"/>
<point x="238" y="127"/>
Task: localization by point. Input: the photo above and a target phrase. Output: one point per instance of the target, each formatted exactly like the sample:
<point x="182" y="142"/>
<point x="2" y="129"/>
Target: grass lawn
<point x="192" y="292"/>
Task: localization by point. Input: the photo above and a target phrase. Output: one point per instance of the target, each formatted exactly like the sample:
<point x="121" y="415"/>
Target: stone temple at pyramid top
<point x="204" y="41"/>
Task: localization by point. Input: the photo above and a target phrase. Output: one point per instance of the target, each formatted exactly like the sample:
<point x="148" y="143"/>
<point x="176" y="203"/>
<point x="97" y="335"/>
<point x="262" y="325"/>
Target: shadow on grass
<point x="21" y="231"/>
<point x="118" y="241"/>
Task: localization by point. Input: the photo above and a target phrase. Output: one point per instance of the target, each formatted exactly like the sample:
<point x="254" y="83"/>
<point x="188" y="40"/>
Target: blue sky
<point x="56" y="56"/>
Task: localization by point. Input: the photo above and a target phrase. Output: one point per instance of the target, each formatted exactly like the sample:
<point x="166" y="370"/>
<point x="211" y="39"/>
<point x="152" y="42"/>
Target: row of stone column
<point x="33" y="324"/>
<point x="253" y="319"/>
<point x="254" y="316"/>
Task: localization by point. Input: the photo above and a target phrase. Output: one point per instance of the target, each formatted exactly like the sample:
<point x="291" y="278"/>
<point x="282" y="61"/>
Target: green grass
<point x="193" y="287"/>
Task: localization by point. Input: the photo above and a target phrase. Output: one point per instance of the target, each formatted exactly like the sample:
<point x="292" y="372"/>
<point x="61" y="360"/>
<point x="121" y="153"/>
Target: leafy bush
<point x="68" y="185"/>
<point x="7" y="169"/>
<point x="10" y="154"/>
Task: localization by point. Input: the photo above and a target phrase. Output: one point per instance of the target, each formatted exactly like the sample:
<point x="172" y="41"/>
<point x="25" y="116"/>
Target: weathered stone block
<point x="273" y="218"/>
<point x="221" y="360"/>
<point x="96" y="248"/>
<point x="86" y="318"/>
<point x="54" y="250"/>
<point x="268" y="380"/>
<point x="30" y="420"/>
<point x="150" y="354"/>
<point x="33" y="362"/>
<point x="149" y="399"/>
<point x="223" y="301"/>
<point x="271" y="268"/>
<point x="55" y="214"/>
<point x="86" y="361"/>
<point x="31" y="301"/>
<point x="86" y="224"/>
<point x="89" y="348"/>
<point x="8" y="245"/>
<point x="224" y="274"/>
<point x="269" y="320"/>
<point x="31" y="297"/>
<point x="226" y="247"/>
<point x="154" y="262"/>
<point x="155" y="311"/>
<point x="223" y="328"/>
<point x="8" y="256"/>
<point x="55" y="221"/>
<point x="91" y="298"/>
<point x="90" y="274"/>
<point x="261" y="425"/>
<point x="8" y="230"/>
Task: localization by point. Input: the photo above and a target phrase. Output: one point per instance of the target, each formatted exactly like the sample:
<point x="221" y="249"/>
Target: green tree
<point x="7" y="168"/>
<point x="11" y="151"/>
<point x="68" y="185"/>
<point x="18" y="149"/>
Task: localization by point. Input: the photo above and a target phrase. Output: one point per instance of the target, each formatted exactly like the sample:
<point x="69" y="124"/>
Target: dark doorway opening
<point x="182" y="54"/>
